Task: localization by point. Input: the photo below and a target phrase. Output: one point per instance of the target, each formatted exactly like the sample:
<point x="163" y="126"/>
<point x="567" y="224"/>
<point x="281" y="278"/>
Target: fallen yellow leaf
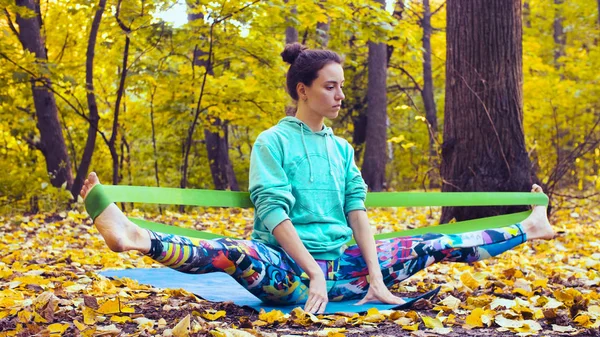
<point x="432" y="322"/>
<point x="474" y="319"/>
<point x="467" y="279"/>
<point x="182" y="329"/>
<point x="114" y="306"/>
<point x="413" y="327"/>
<point x="120" y="319"/>
<point x="273" y="316"/>
<point x="213" y="315"/>
<point x="58" y="328"/>
<point x="89" y="315"/>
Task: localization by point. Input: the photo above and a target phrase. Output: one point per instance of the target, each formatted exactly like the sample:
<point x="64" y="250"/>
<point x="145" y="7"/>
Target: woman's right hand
<point x="317" y="294"/>
<point x="288" y="238"/>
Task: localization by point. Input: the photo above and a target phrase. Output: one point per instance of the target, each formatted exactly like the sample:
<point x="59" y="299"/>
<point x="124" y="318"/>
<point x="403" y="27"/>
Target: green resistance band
<point x="102" y="195"/>
<point x="212" y="198"/>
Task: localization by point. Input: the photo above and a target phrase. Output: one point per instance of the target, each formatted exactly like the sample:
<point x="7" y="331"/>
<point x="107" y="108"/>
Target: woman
<point x="309" y="199"/>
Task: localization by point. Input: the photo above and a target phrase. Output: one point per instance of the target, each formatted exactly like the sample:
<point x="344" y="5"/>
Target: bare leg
<point x="119" y="233"/>
<point x="537" y="226"/>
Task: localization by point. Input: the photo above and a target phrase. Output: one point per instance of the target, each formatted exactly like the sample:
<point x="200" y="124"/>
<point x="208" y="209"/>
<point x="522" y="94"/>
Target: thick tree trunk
<point x="90" y="143"/>
<point x="373" y="168"/>
<point x="484" y="145"/>
<point x="52" y="142"/>
<point x="218" y="153"/>
<point x="427" y="93"/>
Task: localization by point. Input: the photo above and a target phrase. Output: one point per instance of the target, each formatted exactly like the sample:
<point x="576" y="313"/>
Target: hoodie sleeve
<point x="356" y="189"/>
<point x="270" y="190"/>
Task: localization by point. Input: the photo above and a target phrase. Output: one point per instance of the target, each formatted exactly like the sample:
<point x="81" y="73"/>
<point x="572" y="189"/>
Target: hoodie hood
<point x="326" y="133"/>
<point x="295" y="123"/>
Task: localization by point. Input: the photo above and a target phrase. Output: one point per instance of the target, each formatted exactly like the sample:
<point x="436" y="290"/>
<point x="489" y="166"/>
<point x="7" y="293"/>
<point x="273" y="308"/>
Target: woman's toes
<point x="536" y="188"/>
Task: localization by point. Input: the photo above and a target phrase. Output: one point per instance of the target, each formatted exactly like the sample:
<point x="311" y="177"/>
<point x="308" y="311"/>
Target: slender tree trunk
<point x="374" y="162"/>
<point x="427" y="93"/>
<point x="484" y="145"/>
<point x="323" y="33"/>
<point x="560" y="39"/>
<point x="217" y="144"/>
<point x="120" y="92"/>
<point x="115" y="127"/>
<point x="291" y="33"/>
<point x="155" y="153"/>
<point x="527" y="14"/>
<point x="398" y="15"/>
<point x="52" y="142"/>
<point x="356" y="103"/>
<point x="291" y="36"/>
<point x="90" y="143"/>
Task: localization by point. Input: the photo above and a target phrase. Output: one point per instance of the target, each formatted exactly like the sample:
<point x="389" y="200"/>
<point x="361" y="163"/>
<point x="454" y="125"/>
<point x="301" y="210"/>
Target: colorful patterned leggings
<point x="272" y="276"/>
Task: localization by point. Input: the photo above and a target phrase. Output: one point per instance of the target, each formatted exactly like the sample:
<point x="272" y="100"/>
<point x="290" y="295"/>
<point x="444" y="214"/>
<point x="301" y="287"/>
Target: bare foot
<point x="536" y="225"/>
<point x="119" y="233"/>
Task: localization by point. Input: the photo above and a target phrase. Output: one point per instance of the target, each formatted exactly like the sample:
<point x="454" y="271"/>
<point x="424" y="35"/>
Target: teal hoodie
<point x="307" y="177"/>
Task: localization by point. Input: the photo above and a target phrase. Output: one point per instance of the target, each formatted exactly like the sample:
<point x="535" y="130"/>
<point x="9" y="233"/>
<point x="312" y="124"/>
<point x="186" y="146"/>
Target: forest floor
<point x="50" y="286"/>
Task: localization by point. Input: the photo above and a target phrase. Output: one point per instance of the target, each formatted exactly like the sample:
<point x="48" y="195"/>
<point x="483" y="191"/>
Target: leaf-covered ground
<point x="50" y="286"/>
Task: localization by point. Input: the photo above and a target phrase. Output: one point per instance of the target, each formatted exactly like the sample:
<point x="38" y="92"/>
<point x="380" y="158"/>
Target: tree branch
<point x="121" y="24"/>
<point x="235" y="12"/>
<point x="407" y="74"/>
<point x="438" y="9"/>
<point x="10" y="23"/>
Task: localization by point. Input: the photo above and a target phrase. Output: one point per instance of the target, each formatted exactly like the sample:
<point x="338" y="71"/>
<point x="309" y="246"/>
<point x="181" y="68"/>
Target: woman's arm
<point x="359" y="222"/>
<point x="288" y="239"/>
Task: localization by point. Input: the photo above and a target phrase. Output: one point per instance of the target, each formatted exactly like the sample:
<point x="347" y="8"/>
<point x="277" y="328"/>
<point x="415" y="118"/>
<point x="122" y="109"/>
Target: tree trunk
<point x="291" y="36"/>
<point x="560" y="39"/>
<point x="356" y="103"/>
<point x="52" y="142"/>
<point x="373" y="168"/>
<point x="218" y="154"/>
<point x="115" y="128"/>
<point x="155" y="153"/>
<point x="323" y="33"/>
<point x="217" y="144"/>
<point x="484" y="145"/>
<point x="427" y="94"/>
<point x="291" y="33"/>
<point x="527" y="14"/>
<point x="90" y="143"/>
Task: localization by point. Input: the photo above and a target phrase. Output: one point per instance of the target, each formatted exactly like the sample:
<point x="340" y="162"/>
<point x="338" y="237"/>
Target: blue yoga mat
<point x="220" y="287"/>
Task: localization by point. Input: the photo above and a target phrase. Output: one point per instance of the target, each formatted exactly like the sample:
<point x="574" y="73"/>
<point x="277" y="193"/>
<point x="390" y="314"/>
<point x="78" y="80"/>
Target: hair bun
<point x="291" y="52"/>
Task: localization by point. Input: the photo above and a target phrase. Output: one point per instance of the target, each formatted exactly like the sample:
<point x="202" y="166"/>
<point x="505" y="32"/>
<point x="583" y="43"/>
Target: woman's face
<point x="324" y="97"/>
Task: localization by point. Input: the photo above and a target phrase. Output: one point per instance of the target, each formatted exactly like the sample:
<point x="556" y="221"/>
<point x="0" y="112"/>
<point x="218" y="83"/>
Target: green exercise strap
<point x="103" y="195"/>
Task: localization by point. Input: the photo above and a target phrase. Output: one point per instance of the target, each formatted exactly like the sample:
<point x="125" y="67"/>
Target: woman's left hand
<point x="379" y="292"/>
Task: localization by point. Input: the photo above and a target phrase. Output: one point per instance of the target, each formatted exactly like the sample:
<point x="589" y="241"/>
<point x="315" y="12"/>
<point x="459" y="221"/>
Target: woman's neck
<point x="311" y="119"/>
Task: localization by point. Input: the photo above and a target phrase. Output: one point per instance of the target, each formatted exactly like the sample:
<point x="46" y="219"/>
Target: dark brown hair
<point x="305" y="65"/>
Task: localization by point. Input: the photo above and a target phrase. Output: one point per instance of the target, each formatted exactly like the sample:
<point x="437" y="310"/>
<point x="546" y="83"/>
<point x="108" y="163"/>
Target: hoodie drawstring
<point x="307" y="154"/>
<point x="328" y="157"/>
<point x="310" y="169"/>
